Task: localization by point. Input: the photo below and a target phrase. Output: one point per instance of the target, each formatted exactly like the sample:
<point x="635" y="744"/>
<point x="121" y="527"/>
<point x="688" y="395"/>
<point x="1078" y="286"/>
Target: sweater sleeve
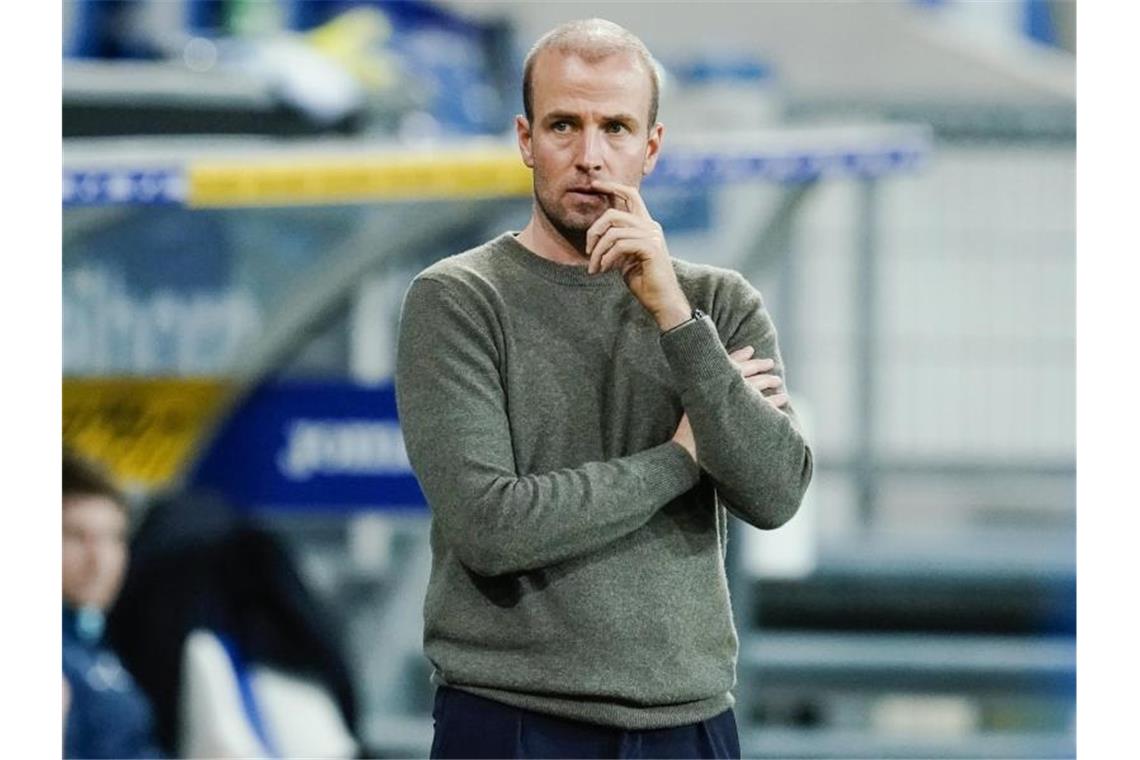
<point x="755" y="453"/>
<point x="453" y="414"/>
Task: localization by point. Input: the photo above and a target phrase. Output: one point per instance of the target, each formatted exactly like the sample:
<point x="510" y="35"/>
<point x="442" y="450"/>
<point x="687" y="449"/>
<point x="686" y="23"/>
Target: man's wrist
<point x="692" y="316"/>
<point x="674" y="315"/>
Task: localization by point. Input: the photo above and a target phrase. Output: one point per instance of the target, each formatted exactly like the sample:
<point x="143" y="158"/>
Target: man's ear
<point x="653" y="148"/>
<point x="522" y="128"/>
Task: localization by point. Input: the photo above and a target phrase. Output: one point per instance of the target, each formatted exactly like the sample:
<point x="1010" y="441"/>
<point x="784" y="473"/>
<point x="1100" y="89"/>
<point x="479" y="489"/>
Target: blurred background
<point x="249" y="186"/>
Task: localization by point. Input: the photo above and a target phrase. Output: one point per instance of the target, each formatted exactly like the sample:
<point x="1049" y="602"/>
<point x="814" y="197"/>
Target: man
<point x="581" y="410"/>
<point x="106" y="715"/>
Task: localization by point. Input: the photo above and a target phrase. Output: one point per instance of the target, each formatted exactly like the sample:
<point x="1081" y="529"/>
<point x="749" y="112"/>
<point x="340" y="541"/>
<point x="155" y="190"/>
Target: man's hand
<point x="627" y="238"/>
<point x="755" y="373"/>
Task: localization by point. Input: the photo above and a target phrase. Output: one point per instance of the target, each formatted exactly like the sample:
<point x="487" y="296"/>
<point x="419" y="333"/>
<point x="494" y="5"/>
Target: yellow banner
<point x="145" y="430"/>
<point x="330" y="180"/>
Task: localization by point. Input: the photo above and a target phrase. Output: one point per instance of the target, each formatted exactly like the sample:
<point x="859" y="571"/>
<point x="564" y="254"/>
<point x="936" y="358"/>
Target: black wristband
<point x="697" y="314"/>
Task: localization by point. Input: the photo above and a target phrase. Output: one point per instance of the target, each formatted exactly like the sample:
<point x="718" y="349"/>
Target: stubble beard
<point x="573" y="232"/>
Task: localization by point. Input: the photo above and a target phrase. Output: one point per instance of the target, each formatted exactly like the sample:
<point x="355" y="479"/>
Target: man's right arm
<point x="453" y="415"/>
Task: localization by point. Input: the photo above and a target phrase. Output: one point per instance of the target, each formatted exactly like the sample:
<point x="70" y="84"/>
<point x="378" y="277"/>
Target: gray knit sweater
<point x="578" y="553"/>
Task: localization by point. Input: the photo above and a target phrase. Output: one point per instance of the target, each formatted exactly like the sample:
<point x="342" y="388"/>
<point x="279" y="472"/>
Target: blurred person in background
<point x="581" y="409"/>
<point x="105" y="712"/>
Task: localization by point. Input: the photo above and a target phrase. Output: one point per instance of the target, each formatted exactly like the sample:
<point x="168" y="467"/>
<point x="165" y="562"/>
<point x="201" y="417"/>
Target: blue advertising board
<point x="312" y="446"/>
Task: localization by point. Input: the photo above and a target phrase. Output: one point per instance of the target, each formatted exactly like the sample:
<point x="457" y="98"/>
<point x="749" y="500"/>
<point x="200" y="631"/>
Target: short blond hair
<point x="592" y="39"/>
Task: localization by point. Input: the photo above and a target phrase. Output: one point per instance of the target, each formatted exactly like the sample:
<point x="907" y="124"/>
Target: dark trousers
<point x="467" y="726"/>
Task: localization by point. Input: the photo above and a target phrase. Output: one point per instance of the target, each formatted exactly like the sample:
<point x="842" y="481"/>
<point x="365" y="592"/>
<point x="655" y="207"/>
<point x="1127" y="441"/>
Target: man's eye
<point x="614" y="127"/>
<point x="560" y="126"/>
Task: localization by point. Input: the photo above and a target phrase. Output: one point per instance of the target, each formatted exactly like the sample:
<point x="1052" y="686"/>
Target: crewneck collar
<point x="567" y="274"/>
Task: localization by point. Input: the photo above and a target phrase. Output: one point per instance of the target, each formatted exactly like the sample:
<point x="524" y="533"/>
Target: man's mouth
<point x="585" y="191"/>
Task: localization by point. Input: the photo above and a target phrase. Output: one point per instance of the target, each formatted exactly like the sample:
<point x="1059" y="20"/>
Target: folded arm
<point x="453" y="415"/>
<point x="754" y="451"/>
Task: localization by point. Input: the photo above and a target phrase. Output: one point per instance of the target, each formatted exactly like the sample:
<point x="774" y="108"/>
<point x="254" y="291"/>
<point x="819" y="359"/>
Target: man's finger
<point x="621" y="249"/>
<point x="627" y="194"/>
<point x="755" y="366"/>
<point x="610" y="218"/>
<point x="741" y="354"/>
<point x="606" y="243"/>
<point x="764" y="382"/>
<point x="778" y="399"/>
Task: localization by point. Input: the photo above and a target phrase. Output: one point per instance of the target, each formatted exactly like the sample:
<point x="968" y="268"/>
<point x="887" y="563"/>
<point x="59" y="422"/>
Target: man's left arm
<point x="755" y="452"/>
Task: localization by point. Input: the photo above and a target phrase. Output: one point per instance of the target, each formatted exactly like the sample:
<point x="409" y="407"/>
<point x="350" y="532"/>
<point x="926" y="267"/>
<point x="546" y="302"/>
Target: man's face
<point x="589" y="123"/>
<point x="94" y="550"/>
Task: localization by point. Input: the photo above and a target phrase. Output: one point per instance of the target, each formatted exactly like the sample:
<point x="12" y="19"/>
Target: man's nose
<point x="100" y="552"/>
<point x="591" y="149"/>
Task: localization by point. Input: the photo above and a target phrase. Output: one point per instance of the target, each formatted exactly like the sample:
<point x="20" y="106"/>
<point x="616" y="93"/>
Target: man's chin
<point x="572" y="224"/>
<point x="580" y="220"/>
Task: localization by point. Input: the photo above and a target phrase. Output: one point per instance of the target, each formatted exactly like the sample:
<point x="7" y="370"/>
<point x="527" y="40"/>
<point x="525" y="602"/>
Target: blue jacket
<point x="109" y="714"/>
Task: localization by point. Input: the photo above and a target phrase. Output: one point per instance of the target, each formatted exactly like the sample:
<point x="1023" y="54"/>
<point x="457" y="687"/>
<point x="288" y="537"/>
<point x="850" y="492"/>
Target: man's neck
<point x="540" y="237"/>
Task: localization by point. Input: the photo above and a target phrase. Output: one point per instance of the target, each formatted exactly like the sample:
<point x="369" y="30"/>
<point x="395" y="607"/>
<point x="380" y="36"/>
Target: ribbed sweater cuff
<point x="695" y="353"/>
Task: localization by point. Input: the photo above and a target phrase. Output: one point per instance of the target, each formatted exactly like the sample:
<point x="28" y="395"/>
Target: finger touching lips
<point x="620" y="194"/>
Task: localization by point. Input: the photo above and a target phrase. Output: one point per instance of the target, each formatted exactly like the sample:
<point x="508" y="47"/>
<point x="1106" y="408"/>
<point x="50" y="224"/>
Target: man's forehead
<point x="620" y="74"/>
<point x="86" y="509"/>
